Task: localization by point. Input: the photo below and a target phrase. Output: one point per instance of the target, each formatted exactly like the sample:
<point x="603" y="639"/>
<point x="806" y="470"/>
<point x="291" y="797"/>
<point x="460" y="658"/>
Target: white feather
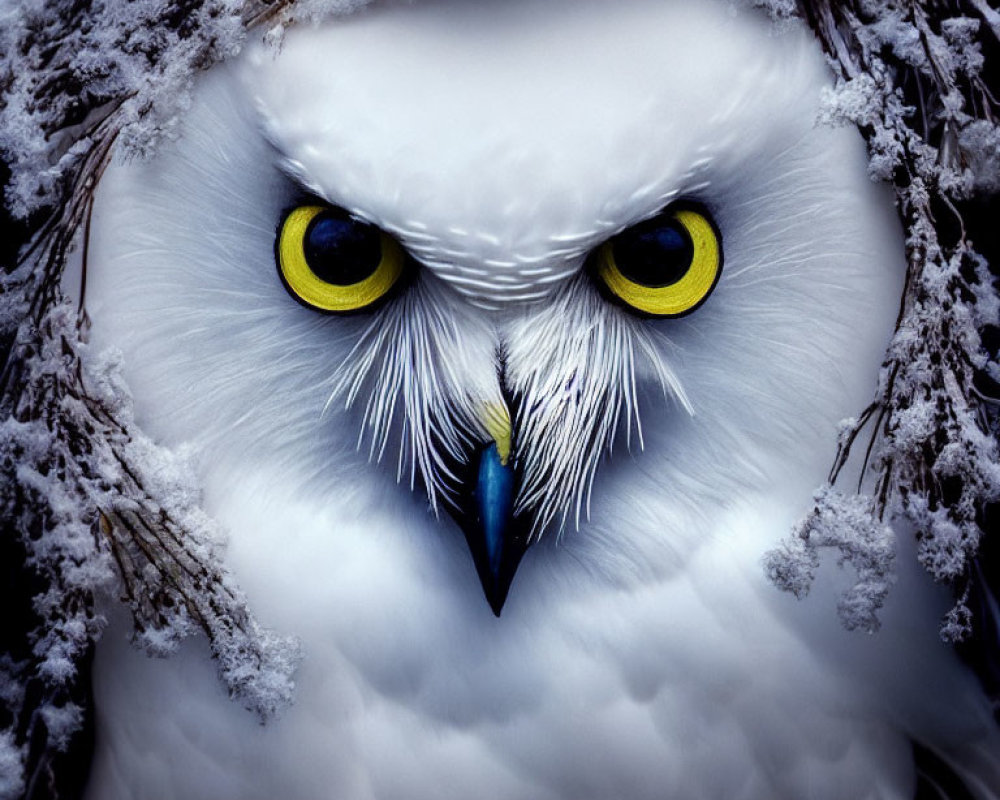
<point x="641" y="654"/>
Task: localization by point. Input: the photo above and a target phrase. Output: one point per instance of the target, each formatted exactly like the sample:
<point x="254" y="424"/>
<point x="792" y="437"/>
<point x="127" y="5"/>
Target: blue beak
<point x="496" y="538"/>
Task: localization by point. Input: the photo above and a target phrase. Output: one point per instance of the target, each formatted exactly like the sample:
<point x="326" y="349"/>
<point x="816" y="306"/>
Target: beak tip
<point x="496" y="585"/>
<point x="496" y="537"/>
<point x="496" y="606"/>
<point x="497" y="574"/>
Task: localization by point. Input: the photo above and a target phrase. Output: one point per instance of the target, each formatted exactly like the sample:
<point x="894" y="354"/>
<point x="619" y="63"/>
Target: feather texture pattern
<point x="641" y="653"/>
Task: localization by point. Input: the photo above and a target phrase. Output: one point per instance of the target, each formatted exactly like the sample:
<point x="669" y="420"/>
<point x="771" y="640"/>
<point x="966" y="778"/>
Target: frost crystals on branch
<point x="911" y="79"/>
<point x="82" y="491"/>
<point x="844" y="522"/>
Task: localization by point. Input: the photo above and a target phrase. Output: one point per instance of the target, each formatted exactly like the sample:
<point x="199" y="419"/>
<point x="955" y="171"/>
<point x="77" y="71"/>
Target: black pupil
<point x="340" y="249"/>
<point x="655" y="253"/>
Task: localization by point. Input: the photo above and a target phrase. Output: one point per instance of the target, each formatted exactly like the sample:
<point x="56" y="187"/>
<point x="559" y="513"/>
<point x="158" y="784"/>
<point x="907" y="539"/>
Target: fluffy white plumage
<point x="641" y="652"/>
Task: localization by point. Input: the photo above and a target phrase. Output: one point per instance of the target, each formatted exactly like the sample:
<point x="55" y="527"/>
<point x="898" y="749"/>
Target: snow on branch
<point x="844" y="522"/>
<point x="88" y="504"/>
<point x="910" y="75"/>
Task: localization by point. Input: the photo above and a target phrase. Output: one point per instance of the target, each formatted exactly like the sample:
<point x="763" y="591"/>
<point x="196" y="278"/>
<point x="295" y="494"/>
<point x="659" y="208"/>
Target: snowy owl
<point x="506" y="338"/>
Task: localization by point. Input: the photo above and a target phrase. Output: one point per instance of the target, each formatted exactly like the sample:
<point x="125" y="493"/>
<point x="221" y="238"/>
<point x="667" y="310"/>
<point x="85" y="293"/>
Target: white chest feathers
<point x="640" y="654"/>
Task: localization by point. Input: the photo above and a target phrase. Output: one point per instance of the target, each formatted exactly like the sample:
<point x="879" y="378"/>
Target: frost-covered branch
<point x="88" y="504"/>
<point x="870" y="549"/>
<point x="910" y="75"/>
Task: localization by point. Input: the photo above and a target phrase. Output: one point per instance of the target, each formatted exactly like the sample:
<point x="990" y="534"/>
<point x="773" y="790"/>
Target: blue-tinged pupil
<point x="340" y="249"/>
<point x="654" y="253"/>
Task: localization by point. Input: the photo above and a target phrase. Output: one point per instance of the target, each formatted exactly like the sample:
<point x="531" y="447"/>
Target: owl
<point x="505" y="339"/>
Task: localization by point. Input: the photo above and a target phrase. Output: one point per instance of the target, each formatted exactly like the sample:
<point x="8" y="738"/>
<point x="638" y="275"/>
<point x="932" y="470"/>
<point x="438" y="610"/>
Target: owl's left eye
<point x="332" y="261"/>
<point x="666" y="266"/>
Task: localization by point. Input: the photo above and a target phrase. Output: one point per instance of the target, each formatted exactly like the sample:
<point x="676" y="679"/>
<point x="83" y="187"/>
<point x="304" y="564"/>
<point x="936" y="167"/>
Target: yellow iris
<point x="304" y="282"/>
<point x="682" y="295"/>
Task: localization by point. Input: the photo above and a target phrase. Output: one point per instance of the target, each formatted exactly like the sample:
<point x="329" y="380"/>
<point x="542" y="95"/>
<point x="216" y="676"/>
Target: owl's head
<point x="557" y="273"/>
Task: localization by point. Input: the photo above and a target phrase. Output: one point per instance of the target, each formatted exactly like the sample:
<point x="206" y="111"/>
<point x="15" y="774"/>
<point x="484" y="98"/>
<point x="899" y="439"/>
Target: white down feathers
<point x="641" y="653"/>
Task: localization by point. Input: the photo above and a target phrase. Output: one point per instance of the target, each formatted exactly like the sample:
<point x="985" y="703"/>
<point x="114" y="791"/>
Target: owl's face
<point x="613" y="277"/>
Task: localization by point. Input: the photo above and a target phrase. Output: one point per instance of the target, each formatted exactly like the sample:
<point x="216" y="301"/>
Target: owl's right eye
<point x="335" y="262"/>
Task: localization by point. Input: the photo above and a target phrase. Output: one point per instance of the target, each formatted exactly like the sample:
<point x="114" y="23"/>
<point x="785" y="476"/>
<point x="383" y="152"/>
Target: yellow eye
<point x="332" y="261"/>
<point x="664" y="267"/>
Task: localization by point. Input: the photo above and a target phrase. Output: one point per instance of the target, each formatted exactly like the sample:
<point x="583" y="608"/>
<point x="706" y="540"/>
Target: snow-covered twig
<point x="87" y="502"/>
<point x="910" y="76"/>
